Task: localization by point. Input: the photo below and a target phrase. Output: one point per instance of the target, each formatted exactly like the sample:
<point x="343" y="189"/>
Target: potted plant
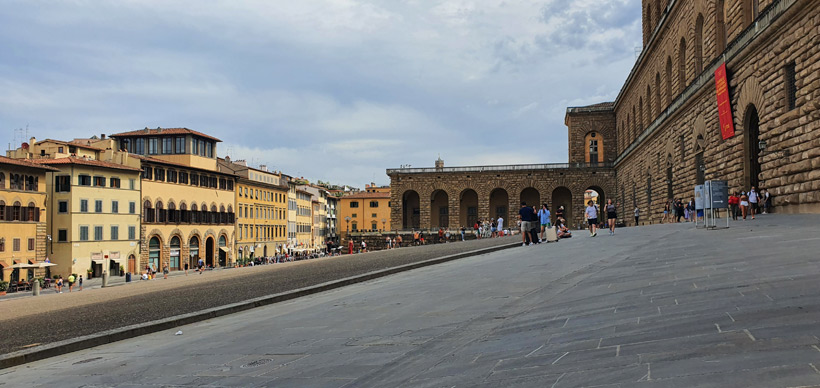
<point x="122" y="270"/>
<point x="90" y="272"/>
<point x="3" y="287"/>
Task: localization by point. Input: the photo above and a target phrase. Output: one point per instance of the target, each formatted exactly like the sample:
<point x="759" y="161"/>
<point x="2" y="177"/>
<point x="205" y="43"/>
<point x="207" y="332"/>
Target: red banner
<point x="727" y="127"/>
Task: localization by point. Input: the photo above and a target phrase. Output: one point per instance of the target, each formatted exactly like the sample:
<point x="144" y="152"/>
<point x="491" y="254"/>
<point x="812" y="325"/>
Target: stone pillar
<point x="454" y="213"/>
<point x="424" y="212"/>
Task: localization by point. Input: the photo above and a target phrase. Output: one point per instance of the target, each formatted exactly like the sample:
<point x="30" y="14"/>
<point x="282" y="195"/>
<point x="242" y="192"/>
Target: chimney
<point x="32" y="141"/>
<point x="263" y="167"/>
<point x="228" y="159"/>
<point x="241" y="162"/>
<point x="102" y="136"/>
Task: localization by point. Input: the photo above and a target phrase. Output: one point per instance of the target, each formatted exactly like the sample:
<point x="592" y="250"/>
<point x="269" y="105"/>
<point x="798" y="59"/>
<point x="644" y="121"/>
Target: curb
<point x="80" y="343"/>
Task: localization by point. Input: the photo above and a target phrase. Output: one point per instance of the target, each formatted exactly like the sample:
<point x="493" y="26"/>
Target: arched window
<point x="214" y="215"/>
<point x="194" y="213"/>
<point x="682" y="65"/>
<point x="634" y="129"/>
<point x="750" y="11"/>
<point x="2" y="180"/>
<point x="193" y="247"/>
<point x="640" y="119"/>
<point x="594" y="152"/>
<point x="3" y="210"/>
<point x="203" y="213"/>
<point x="183" y="213"/>
<point x="669" y="81"/>
<point x="648" y="23"/>
<point x="659" y="106"/>
<point x="699" y="44"/>
<point x="15" y="211"/>
<point x="720" y="27"/>
<point x="223" y="216"/>
<point x="153" y="253"/>
<point x="174" y="253"/>
<point x="161" y="214"/>
<point x="649" y="116"/>
<point x="33" y="212"/>
<point x="658" y="10"/>
<point x="147" y="212"/>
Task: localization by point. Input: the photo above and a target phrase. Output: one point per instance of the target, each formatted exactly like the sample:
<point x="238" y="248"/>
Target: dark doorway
<point x="439" y="210"/>
<point x="532" y="197"/>
<point x="669" y="192"/>
<point x="468" y="211"/>
<point x="209" y="252"/>
<point x="499" y="201"/>
<point x="751" y="143"/>
<point x="223" y="251"/>
<point x="562" y="197"/>
<point x="411" y="215"/>
<point x="700" y="169"/>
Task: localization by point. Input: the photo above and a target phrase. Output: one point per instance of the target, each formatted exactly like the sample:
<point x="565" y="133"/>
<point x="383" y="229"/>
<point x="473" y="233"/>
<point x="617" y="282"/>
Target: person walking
<point x="611" y="216"/>
<point x="59" y="284"/>
<point x="592" y="218"/>
<point x="71" y="280"/>
<point x="734" y="201"/>
<point x="165" y="271"/>
<point x="666" y="208"/>
<point x="398" y="241"/>
<point x="753" y="200"/>
<point x="544" y="217"/>
<point x="463" y="233"/>
<point x="80" y="283"/>
<point x="744" y="205"/>
<point x="500" y="226"/>
<point x="637" y="213"/>
<point x="186" y="268"/>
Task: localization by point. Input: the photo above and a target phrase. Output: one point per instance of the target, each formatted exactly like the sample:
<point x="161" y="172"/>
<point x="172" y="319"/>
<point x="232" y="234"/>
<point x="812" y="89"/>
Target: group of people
<point x="674" y="210"/>
<point x="532" y="221"/>
<point x="59" y="283"/>
<point x="494" y="227"/>
<point x="611" y="209"/>
<point x="749" y="203"/>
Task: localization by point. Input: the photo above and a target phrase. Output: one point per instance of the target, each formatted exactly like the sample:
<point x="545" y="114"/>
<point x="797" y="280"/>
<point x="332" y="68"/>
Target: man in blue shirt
<point x="527" y="216"/>
<point x="544" y="215"/>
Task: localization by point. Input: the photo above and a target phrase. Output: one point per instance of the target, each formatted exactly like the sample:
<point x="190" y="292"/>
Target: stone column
<point x="454" y="213"/>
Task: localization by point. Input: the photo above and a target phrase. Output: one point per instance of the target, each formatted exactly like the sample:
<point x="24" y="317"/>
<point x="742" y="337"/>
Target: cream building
<point x="365" y="211"/>
<point x="187" y="203"/>
<point x="261" y="203"/>
<point x="94" y="215"/>
<point x="23" y="216"/>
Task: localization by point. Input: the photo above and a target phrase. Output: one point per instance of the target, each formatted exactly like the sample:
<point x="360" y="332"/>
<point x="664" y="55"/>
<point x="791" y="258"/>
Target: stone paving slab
<point x="662" y="306"/>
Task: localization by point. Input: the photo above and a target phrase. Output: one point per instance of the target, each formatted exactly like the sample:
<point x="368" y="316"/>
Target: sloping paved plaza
<point x="658" y="306"/>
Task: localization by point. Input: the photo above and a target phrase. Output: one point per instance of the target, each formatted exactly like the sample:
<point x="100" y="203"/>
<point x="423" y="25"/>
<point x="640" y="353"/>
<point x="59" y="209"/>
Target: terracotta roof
<point x="366" y="195"/>
<point x="25" y="163"/>
<point x="68" y="143"/>
<point x="164" y="131"/>
<point x="85" y="162"/>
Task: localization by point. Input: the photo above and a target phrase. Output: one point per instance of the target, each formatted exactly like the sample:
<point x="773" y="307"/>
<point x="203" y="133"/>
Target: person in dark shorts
<point x="592" y="218"/>
<point x="611" y="216"/>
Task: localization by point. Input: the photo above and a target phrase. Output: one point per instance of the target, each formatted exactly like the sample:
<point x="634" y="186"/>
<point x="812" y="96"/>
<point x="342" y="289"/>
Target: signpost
<point x="715" y="195"/>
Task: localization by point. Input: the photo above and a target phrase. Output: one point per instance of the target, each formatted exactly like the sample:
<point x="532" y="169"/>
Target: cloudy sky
<point x="336" y="90"/>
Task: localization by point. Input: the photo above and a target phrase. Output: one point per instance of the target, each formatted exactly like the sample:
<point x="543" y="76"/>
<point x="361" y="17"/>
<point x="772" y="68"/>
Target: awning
<point x="98" y="261"/>
<point x="224" y="249"/>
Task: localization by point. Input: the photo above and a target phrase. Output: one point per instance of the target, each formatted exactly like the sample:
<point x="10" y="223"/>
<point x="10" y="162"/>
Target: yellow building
<point x="55" y="149"/>
<point x="304" y="219"/>
<point x="187" y="203"/>
<point x="364" y="211"/>
<point x="23" y="216"/>
<point x="261" y="209"/>
<point x="94" y="215"/>
<point x="319" y="208"/>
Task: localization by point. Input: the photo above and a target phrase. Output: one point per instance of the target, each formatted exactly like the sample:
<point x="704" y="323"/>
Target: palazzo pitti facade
<point x="663" y="133"/>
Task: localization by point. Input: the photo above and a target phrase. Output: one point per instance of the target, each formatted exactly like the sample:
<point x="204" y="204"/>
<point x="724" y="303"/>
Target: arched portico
<point x="439" y="210"/>
<point x="468" y="206"/>
<point x="411" y="210"/>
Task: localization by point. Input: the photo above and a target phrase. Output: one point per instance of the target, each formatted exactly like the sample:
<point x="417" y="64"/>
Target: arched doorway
<point x="411" y="210"/>
<point x="153" y="253"/>
<point x="209" y="251"/>
<point x="561" y="196"/>
<point x="751" y="147"/>
<point x="532" y="197"/>
<point x="468" y="208"/>
<point x="132" y="264"/>
<point x="223" y="251"/>
<point x="175" y="253"/>
<point x="193" y="251"/>
<point x="596" y="194"/>
<point x="499" y="201"/>
<point x="439" y="210"/>
<point x="700" y="165"/>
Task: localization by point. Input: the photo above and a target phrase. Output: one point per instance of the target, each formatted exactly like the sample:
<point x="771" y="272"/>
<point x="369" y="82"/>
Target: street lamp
<point x="348" y="223"/>
<point x="384" y="222"/>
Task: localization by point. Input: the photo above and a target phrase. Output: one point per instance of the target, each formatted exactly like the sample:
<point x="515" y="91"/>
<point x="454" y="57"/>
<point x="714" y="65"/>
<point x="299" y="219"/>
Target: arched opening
<point x="223" y="251"/>
<point x="499" y="201"/>
<point x="161" y="214"/>
<point x="410" y="210"/>
<point x="720" y="27"/>
<point x="640" y="120"/>
<point x="439" y="210"/>
<point x="562" y="197"/>
<point x="132" y="264"/>
<point x="172" y="212"/>
<point x="596" y="195"/>
<point x="594" y="150"/>
<point x="147" y="212"/>
<point x="751" y="147"/>
<point x="175" y="253"/>
<point x="468" y="208"/>
<point x="658" y="101"/>
<point x="699" y="44"/>
<point x="700" y="166"/>
<point x="682" y="65"/>
<point x="154" y="253"/>
<point x="649" y="111"/>
<point x="209" y="252"/>
<point x="193" y="251"/>
<point x="531" y="197"/>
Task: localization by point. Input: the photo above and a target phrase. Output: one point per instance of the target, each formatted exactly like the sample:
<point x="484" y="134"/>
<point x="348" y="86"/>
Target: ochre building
<point x="663" y="134"/>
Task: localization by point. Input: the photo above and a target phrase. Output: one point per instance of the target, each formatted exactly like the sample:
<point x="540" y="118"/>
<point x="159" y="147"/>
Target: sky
<point x="331" y="90"/>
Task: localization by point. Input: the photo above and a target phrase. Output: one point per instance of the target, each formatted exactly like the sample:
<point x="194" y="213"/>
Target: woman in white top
<point x="592" y="218"/>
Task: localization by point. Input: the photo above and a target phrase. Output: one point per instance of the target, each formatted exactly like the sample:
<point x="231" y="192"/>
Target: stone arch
<point x="682" y="80"/>
<point x="194" y="233"/>
<point x="411" y="209"/>
<point x="468" y="207"/>
<point x="561" y="196"/>
<point x="439" y="209"/>
<point x="531" y="196"/>
<point x="697" y="52"/>
<point x="499" y="201"/>
<point x="157" y="232"/>
<point x="699" y="133"/>
<point x="669" y="92"/>
<point x="751" y="93"/>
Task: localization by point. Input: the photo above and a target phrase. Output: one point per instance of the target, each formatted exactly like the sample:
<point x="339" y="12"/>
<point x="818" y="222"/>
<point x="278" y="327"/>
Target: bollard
<point x="105" y="279"/>
<point x="35" y="287"/>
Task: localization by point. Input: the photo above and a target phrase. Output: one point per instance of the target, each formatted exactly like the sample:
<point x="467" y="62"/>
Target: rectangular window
<point x="152" y="146"/>
<point x="115" y="232"/>
<point x="83" y="233"/>
<point x="791" y="86"/>
<point x="84" y="180"/>
<point x="210" y="152"/>
<point x="62" y="235"/>
<point x="62" y="207"/>
<point x="374" y="203"/>
<point x="98" y="235"/>
<point x="354" y="204"/>
<point x="16" y="245"/>
<point x="114" y="182"/>
<point x="172" y="176"/>
<point x="115" y="206"/>
<point x="132" y="207"/>
<point x="83" y="206"/>
<point x="139" y="146"/>
<point x="31" y="244"/>
<point x="194" y="179"/>
<point x="374" y="215"/>
<point x="167" y="145"/>
<point x="147" y="172"/>
<point x="159" y="174"/>
<point x="62" y="184"/>
<point x="132" y="232"/>
<point x="132" y="184"/>
<point x="202" y="148"/>
<point x="179" y="147"/>
<point x="194" y="147"/>
<point x="99" y="181"/>
<point x="98" y="206"/>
